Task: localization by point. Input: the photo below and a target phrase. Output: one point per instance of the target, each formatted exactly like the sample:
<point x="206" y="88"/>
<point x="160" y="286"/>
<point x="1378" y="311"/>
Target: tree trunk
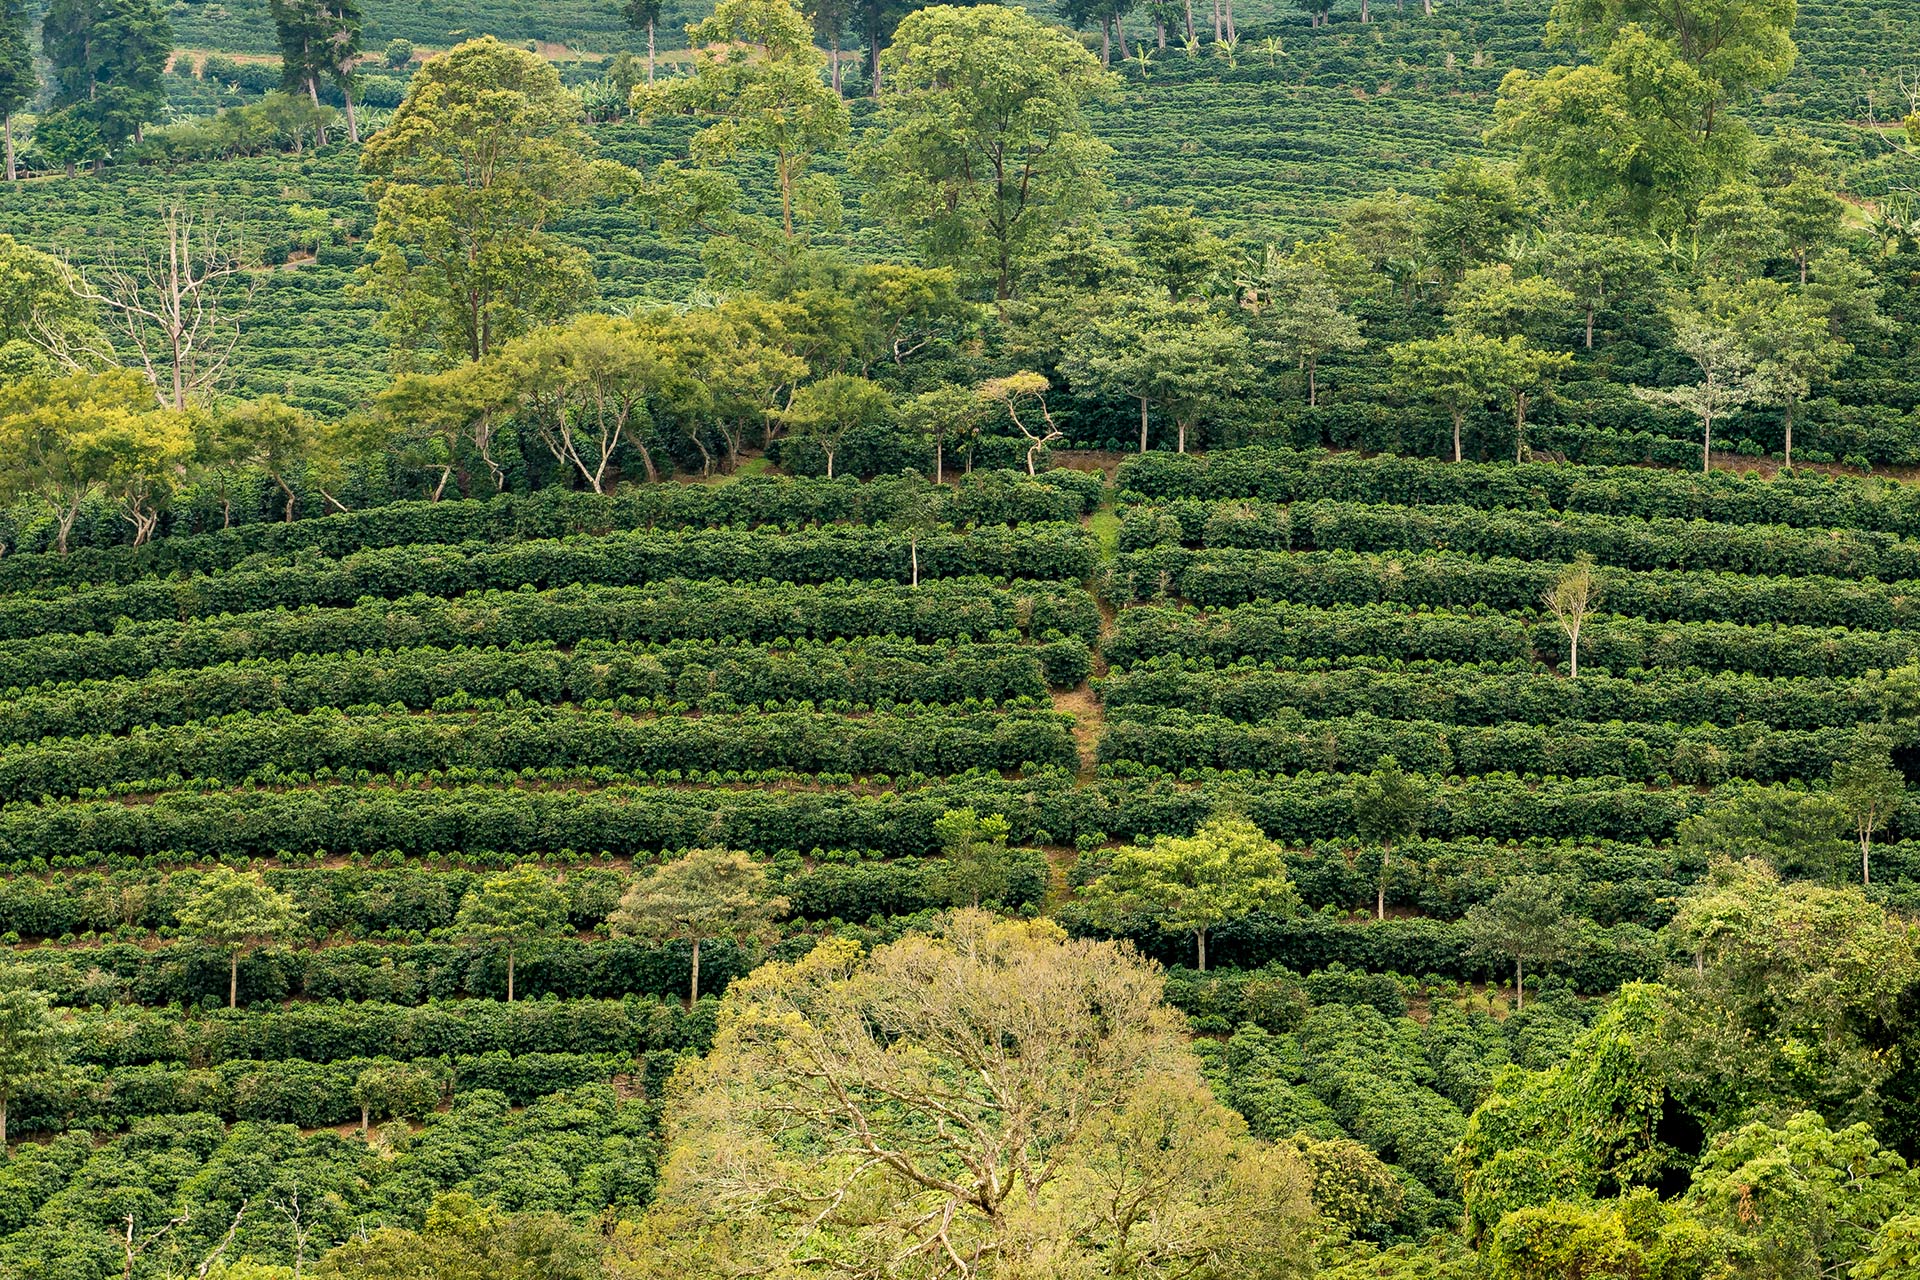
<point x="1200" y="943"/>
<point x="1233" y="28"/>
<point x="1120" y="38"/>
<point x="829" y="453"/>
<point x="650" y="54"/>
<point x="693" y="989"/>
<point x="1189" y="31"/>
<point x="288" y="490"/>
<point x="1143" y="424"/>
<point x="1380" y="899"/>
<point x="1106" y="41"/>
<point x="1573" y="649"/>
<point x="365" y="1119"/>
<point x="1589" y="326"/>
<point x="509" y="975"/>
<point x="1160" y="33"/>
<point x="837" y="92"/>
<point x="1789" y="433"/>
<point x="1313" y="382"/>
<point x="939" y="460"/>
<point x="1457" y="416"/>
<point x="1706" y="445"/>
<point x="1519" y="987"/>
<point x="1366" y="14"/>
<point x="1866" y="870"/>
<point x="1217" y="30"/>
<point x="233" y="979"/>
<point x="1180" y="430"/>
<point x="353" y="124"/>
<point x="913" y="552"/>
<point x="6" y="127"/>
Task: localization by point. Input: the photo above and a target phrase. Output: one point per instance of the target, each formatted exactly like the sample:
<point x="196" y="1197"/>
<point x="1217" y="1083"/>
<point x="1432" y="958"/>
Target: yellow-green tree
<point x="757" y="76"/>
<point x="1193" y="884"/>
<point x="483" y="154"/>
<point x="234" y="910"/>
<point x="950" y="1102"/>
<point x="702" y="895"/>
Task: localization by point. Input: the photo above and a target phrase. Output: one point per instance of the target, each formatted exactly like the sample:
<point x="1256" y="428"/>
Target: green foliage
<point x="512" y="909"/>
<point x="1225" y="870"/>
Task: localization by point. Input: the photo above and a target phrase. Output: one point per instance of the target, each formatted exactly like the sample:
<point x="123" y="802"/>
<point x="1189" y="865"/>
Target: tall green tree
<point x="234" y="910"/>
<point x="1593" y="266"/>
<point x="1526" y="922"/>
<point x="641" y="15"/>
<point x="18" y="80"/>
<point x="972" y="868"/>
<point x="982" y="150"/>
<point x="1193" y="884"/>
<point x="319" y="41"/>
<point x="702" y="895"/>
<point x="1306" y="319"/>
<point x="1790" y="338"/>
<point x="32" y="1039"/>
<point x="484" y="153"/>
<point x="756" y="75"/>
<point x="1719" y="350"/>
<point x="1458" y="371"/>
<point x="1871" y="792"/>
<point x="1389" y="805"/>
<point x="69" y="438"/>
<point x="109" y="61"/>
<point x="511" y="910"/>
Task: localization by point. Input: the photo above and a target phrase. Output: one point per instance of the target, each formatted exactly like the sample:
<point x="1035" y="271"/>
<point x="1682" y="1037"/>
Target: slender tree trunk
<point x="1457" y="416"/>
<point x="693" y="989"/>
<point x="1366" y="14"/>
<point x="1589" y="326"/>
<point x="365" y="1117"/>
<point x="1120" y="37"/>
<point x="1706" y="444"/>
<point x="1180" y="431"/>
<point x="1106" y="41"/>
<point x="1189" y="21"/>
<point x="13" y="174"/>
<point x="913" y="552"/>
<point x="1573" y="648"/>
<point x="1380" y="898"/>
<point x="1789" y="433"/>
<point x="829" y="464"/>
<point x="650" y="54"/>
<point x="353" y="124"/>
<point x="1313" y="382"/>
<point x="837" y="92"/>
<point x="509" y="975"/>
<point x="1233" y="28"/>
<point x="1217" y="30"/>
<point x="233" y="979"/>
<point x="3" y="1127"/>
<point x="1143" y="424"/>
<point x="1519" y="987"/>
<point x="1866" y="870"/>
<point x="288" y="490"/>
<point x="939" y="460"/>
<point x="1160" y="33"/>
<point x="1200" y="943"/>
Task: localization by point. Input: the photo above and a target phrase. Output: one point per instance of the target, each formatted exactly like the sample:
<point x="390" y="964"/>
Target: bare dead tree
<point x="299" y="1227"/>
<point x="179" y="304"/>
<point x="133" y="1246"/>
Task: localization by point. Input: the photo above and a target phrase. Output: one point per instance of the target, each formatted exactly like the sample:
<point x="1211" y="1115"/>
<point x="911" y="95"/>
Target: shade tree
<point x="235" y="910"/>
<point x="512" y="910"/>
<point x="1527" y="922"/>
<point x="1726" y="365"/>
<point x="1458" y="371"/>
<point x="1390" y="805"/>
<point x="1023" y="397"/>
<point x="1226" y="870"/>
<point x="822" y="413"/>
<point x="1870" y="792"/>
<point x="982" y="149"/>
<point x="482" y="155"/>
<point x="972" y="869"/>
<point x="703" y="895"/>
<point x="33" y="1039"/>
<point x="19" y="82"/>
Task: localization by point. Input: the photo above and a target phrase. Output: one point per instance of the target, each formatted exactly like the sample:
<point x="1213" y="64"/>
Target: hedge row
<point x="985" y="497"/>
<point x="1171" y="739"/>
<point x="236" y="748"/>
<point x="1266" y="632"/>
<point x="1628" y="542"/>
<point x="715" y="677"/>
<point x="659" y="613"/>
<point x="307" y="1094"/>
<point x="1490" y="694"/>
<point x="415" y="973"/>
<point x="126" y="1036"/>
<point x="416" y="902"/>
<point x="628" y="559"/>
<point x="1048" y="806"/>
<point x="1805" y="499"/>
<point x="1443" y="579"/>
